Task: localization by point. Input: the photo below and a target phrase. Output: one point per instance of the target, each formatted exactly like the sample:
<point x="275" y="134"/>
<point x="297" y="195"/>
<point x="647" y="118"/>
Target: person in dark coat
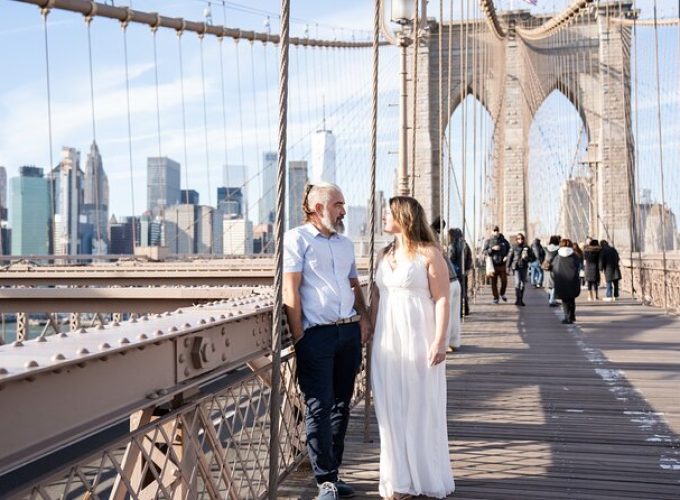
<point x="609" y="264"/>
<point x="535" y="268"/>
<point x="550" y="253"/>
<point x="591" y="255"/>
<point x="460" y="255"/>
<point x="497" y="247"/>
<point x="565" y="268"/>
<point x="519" y="259"/>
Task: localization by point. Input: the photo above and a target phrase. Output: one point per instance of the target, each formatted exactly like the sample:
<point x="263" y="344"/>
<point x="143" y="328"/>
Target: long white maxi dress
<point x="409" y="395"/>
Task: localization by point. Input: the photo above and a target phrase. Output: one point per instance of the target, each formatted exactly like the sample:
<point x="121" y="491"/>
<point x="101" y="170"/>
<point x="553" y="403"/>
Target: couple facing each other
<point x="407" y="324"/>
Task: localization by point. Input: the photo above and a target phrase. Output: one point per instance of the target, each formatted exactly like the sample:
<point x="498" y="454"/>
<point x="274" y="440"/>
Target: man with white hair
<point x="328" y="321"/>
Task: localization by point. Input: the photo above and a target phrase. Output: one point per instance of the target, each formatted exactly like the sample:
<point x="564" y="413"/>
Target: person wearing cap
<point x="329" y="323"/>
<point x="497" y="248"/>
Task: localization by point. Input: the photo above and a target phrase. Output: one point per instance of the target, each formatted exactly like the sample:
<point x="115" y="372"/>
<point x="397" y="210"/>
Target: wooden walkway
<point x="541" y="410"/>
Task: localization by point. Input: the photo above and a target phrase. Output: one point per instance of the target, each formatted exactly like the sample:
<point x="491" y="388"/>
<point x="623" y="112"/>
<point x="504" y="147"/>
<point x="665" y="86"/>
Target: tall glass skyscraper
<point x="96" y="200"/>
<point x="3" y="193"/>
<point x="30" y="212"/>
<point x="323" y="157"/>
<point x="162" y="184"/>
<point x="268" y="196"/>
<point x="67" y="189"/>
<point x="297" y="178"/>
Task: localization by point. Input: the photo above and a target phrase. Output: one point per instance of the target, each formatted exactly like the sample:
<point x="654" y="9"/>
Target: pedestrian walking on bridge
<point x="565" y="268"/>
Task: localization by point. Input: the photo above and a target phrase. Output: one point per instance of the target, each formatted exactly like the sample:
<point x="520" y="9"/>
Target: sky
<point x="192" y="113"/>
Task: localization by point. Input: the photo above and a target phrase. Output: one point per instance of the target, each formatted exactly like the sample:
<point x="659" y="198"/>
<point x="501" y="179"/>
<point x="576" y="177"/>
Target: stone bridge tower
<point x="589" y="62"/>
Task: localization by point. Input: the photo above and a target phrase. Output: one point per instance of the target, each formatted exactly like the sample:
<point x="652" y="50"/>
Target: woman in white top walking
<point x="410" y="311"/>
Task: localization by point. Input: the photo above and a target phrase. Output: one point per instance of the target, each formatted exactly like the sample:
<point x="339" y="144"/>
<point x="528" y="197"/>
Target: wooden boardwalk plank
<point x="542" y="410"/>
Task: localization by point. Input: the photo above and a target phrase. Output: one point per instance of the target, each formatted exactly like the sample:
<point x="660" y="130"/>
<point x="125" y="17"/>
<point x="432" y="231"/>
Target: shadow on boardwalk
<point x="541" y="410"/>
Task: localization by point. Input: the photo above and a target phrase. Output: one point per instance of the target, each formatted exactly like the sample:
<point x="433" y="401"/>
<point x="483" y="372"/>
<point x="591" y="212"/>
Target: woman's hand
<point x="437" y="354"/>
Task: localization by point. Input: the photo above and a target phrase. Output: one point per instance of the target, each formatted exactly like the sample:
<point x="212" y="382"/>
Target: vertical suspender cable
<point x="377" y="13"/>
<point x="416" y="43"/>
<point x="184" y="115"/>
<point x="275" y="400"/>
<point x="440" y="131"/>
<point x="95" y="181"/>
<point x="154" y="29"/>
<point x="124" y="25"/>
<point x="449" y="113"/>
<point x="663" y="188"/>
<point x="45" y="12"/>
<point x="205" y="118"/>
<point x="641" y="275"/>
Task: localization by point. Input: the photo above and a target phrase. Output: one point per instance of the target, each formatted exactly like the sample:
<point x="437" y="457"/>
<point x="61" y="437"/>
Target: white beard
<point x="337" y="227"/>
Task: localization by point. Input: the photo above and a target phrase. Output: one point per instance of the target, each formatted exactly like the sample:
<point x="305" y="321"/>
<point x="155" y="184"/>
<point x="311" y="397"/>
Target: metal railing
<point x="201" y="433"/>
<point x="651" y="282"/>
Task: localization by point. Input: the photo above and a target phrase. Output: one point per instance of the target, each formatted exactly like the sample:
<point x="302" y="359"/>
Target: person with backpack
<point x="497" y="248"/>
<point x="535" y="268"/>
<point x="519" y="259"/>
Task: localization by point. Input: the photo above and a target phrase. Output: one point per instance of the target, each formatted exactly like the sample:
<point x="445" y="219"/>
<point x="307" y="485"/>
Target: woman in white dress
<point x="410" y="308"/>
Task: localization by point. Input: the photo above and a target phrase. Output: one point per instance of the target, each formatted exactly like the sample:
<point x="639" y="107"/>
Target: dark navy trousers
<point x="328" y="358"/>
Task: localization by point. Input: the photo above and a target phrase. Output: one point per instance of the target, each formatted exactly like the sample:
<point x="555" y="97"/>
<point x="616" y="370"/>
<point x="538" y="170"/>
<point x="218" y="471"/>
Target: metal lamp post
<point x="402" y="13"/>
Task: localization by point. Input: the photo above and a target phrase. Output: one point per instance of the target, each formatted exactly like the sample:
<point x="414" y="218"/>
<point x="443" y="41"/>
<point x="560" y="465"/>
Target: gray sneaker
<point x="344" y="489"/>
<point x="327" y="491"/>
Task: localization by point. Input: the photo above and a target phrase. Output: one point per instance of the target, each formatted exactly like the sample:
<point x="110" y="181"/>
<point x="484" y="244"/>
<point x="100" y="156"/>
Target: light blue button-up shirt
<point x="326" y="264"/>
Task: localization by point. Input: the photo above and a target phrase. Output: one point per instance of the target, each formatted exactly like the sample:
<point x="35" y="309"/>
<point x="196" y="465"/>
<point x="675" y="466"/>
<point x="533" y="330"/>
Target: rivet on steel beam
<point x="187" y="371"/>
<point x="181" y="358"/>
<point x="159" y="315"/>
<point x="168" y="313"/>
<point x="187" y="325"/>
<point x="63" y="335"/>
<point x="104" y="346"/>
<point x="158" y="333"/>
<point x="222" y="316"/>
<point x="142" y="336"/>
<point x="163" y="392"/>
<point x="201" y="321"/>
<point x="239" y="311"/>
<point x="257" y="307"/>
<point x="124" y="340"/>
<point x="145" y="317"/>
<point x="179" y="311"/>
<point x="3" y="371"/>
<point x="227" y="342"/>
<point x="152" y="395"/>
<point x="212" y="319"/>
<point x="18" y="343"/>
<point x="82" y="330"/>
<point x="224" y="357"/>
<point x="31" y="364"/>
<point x="58" y="357"/>
<point x="173" y="329"/>
<point x="231" y="315"/>
<point x="186" y="342"/>
<point x="82" y="351"/>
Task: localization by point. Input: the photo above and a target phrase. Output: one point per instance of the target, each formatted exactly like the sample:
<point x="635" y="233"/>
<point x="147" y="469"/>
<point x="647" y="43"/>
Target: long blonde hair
<point x="410" y="216"/>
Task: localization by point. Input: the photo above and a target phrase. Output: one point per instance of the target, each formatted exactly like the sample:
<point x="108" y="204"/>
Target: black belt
<point x="343" y="321"/>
